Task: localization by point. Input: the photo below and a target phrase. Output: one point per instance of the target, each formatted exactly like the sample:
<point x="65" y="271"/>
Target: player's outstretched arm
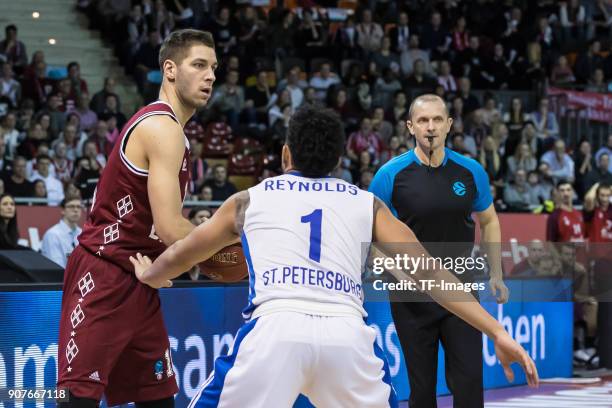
<point x="164" y="146"/>
<point x="200" y="244"/>
<point x="388" y="229"/>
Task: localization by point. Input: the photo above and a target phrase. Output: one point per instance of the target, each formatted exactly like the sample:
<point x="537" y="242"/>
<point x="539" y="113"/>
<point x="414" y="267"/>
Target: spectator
<point x="221" y="188"/>
<point x="399" y="110"/>
<point x="470" y="63"/>
<point x="137" y="29"/>
<point x="55" y="189"/>
<point x="515" y="118"/>
<point x="35" y="136"/>
<point x="541" y="188"/>
<point x="523" y="159"/>
<point x="78" y="85"/>
<point x="562" y="74"/>
<point x="10" y="135"/>
<point x="16" y="183"/>
<point x="365" y="139"/>
<point x="588" y="61"/>
<point x="519" y="195"/>
<point x="584" y="164"/>
<point x="206" y="194"/>
<point x="545" y="121"/>
<point x="197" y="215"/>
<point x="280" y="36"/>
<point x="461" y="38"/>
<point x="413" y="53"/>
<point x="98" y="101"/>
<point x="146" y="59"/>
<point x="597" y="82"/>
<point x="419" y="78"/>
<point x="445" y="78"/>
<point x="275" y="112"/>
<point x="498" y="202"/>
<point x="14" y="51"/>
<point x="470" y="102"/>
<point x="224" y="31"/>
<point x="9" y="234"/>
<point x="435" y="38"/>
<point x="385" y="58"/>
<point x="560" y="163"/>
<point x="74" y="146"/>
<point x="535" y="252"/>
<point x="366" y="178"/>
<point x="489" y="112"/>
<point x="161" y="19"/>
<point x="489" y="158"/>
<point x="607" y="149"/>
<point x="101" y="138"/>
<point x="38" y="87"/>
<point x="229" y="98"/>
<point x="58" y="118"/>
<point x="40" y="191"/>
<point x="5" y="164"/>
<point x="599" y="174"/>
<point x="88" y="169"/>
<point x="309" y="38"/>
<point x="87" y="117"/>
<point x="294" y="87"/>
<point x="9" y="87"/>
<point x="60" y="162"/>
<point x="323" y="80"/>
<point x="346" y="40"/>
<point x="380" y="125"/>
<point x="400" y="34"/>
<point x="496" y="70"/>
<point x="386" y="86"/>
<point x="60" y="240"/>
<point x="369" y="33"/>
<point x="258" y="99"/>
<point x="199" y="168"/>
<point x="343" y="107"/>
<point x="573" y="20"/>
<point x="529" y="136"/>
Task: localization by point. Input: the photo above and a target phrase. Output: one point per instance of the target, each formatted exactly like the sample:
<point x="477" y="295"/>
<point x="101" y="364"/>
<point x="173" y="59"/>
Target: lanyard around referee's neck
<point x="429" y="156"/>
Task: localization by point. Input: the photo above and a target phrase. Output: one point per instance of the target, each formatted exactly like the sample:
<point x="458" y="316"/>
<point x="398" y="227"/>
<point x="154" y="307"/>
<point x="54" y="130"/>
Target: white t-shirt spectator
<point x="55" y="189"/>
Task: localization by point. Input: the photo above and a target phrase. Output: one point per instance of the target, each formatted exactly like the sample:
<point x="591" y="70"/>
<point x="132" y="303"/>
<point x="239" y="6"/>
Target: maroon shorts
<point x="112" y="337"/>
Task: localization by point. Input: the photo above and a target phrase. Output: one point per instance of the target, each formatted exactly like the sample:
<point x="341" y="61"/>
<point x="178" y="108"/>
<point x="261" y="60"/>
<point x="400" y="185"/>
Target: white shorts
<point x="334" y="361"/>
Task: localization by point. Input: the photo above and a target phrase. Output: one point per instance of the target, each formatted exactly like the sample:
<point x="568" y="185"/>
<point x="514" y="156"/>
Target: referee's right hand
<point x="509" y="351"/>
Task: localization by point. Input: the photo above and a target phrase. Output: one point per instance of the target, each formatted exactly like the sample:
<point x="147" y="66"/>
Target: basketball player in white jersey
<point x="302" y="235"/>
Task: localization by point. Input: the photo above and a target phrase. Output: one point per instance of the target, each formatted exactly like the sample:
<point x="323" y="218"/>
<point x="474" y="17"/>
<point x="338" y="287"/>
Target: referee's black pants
<point x="420" y="325"/>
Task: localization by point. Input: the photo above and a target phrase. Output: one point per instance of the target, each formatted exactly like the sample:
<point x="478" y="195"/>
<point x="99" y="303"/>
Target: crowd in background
<point x="366" y="64"/>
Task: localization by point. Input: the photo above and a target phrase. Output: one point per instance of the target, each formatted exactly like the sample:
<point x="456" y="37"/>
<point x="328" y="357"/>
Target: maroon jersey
<point x="565" y="226"/>
<point x="121" y="222"/>
<point x="599" y="224"/>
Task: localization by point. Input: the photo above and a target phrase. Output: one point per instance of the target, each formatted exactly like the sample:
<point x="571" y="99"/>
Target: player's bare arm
<point x="223" y="229"/>
<point x="158" y="144"/>
<point x="491" y="243"/>
<point x="388" y="229"/>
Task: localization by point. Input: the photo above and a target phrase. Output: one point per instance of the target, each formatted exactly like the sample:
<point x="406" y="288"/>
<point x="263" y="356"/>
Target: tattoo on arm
<point x="242" y="204"/>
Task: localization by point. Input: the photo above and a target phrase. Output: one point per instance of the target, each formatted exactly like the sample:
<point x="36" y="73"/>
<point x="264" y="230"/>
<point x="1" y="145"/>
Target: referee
<point x="434" y="191"/>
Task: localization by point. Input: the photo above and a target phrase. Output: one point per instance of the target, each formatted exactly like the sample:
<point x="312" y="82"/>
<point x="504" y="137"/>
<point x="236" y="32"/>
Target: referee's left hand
<point x="498" y="285"/>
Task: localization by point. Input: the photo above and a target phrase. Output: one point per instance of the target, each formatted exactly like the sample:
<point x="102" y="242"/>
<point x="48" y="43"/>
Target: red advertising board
<point x="517" y="229"/>
<point x="598" y="106"/>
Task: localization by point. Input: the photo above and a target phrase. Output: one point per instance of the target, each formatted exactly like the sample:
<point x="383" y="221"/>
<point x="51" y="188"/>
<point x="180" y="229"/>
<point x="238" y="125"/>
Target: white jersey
<point x="304" y="240"/>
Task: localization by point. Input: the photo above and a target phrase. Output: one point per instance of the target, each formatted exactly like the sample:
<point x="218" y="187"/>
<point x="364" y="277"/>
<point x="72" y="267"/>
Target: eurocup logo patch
<point x="459" y="188"/>
<point x="159" y="369"/>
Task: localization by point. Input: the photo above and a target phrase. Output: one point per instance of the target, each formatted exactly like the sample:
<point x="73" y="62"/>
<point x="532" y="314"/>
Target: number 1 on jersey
<point x="314" y="219"/>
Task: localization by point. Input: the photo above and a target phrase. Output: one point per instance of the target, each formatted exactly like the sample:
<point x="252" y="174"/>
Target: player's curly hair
<point x="316" y="140"/>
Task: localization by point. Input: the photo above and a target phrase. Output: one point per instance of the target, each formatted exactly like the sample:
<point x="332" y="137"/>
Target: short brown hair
<point x="175" y="46"/>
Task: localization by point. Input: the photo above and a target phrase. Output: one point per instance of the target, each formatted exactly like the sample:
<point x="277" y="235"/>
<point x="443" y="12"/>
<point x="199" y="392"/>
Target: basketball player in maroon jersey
<point x="112" y="339"/>
<point x="598" y="213"/>
<point x="565" y="224"/>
